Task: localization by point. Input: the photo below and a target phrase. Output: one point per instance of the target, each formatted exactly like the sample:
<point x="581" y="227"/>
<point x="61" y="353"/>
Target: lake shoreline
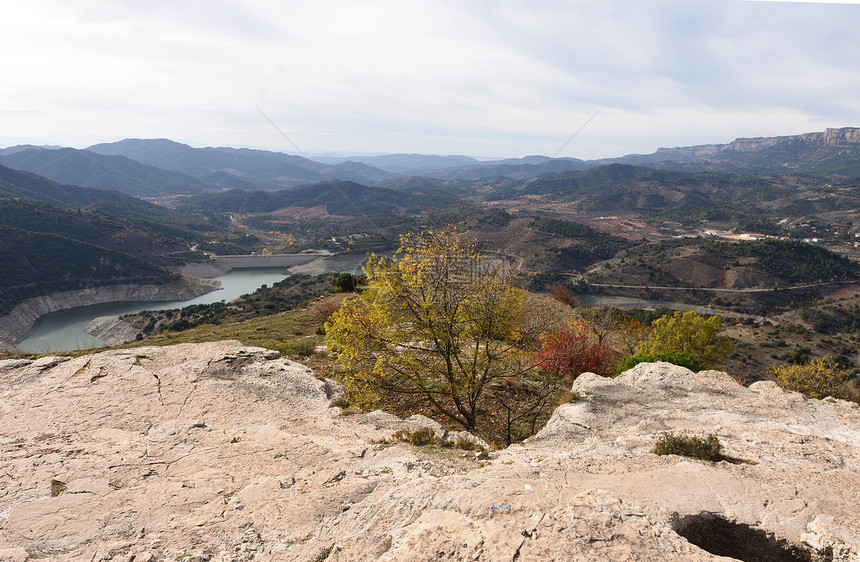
<point x="15" y="326"/>
<point x="18" y="327"/>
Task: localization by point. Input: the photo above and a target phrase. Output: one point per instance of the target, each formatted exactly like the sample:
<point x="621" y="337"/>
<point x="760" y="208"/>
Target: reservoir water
<point x="64" y="330"/>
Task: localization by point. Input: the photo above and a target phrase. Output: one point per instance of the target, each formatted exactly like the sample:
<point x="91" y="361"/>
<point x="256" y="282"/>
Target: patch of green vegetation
<point x="299" y="348"/>
<point x="680" y="359"/>
<point x="792" y="261"/>
<point x="585" y="245"/>
<point x="425" y="436"/>
<point x="833" y="319"/>
<point x="706" y="448"/>
<point x="418" y="437"/>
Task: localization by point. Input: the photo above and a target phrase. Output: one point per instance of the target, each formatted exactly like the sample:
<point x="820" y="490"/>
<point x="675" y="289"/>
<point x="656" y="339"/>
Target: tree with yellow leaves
<point x="692" y="334"/>
<point x="818" y="378"/>
<point x="440" y="321"/>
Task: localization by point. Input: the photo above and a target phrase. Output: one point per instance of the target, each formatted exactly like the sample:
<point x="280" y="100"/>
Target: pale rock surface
<point x="111" y="330"/>
<point x="223" y="452"/>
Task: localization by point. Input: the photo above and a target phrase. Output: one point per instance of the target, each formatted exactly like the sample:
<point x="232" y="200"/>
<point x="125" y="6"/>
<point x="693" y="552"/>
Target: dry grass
<point x="294" y="330"/>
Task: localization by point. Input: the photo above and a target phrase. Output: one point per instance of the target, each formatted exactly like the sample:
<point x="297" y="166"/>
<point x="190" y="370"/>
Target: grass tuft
<point x="706" y="448"/>
<point x="419" y="437"/>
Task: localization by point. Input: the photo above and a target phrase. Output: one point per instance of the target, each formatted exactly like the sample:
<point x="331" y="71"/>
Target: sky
<point x="491" y="79"/>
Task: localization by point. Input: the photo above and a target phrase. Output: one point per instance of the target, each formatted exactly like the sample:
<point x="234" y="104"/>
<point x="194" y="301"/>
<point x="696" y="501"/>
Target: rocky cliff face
<point x="766" y="153"/>
<point x="15" y="325"/>
<point x="829" y="138"/>
<point x="223" y="452"/>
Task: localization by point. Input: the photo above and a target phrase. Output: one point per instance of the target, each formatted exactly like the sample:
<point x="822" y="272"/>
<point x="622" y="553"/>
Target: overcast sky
<point x="483" y="78"/>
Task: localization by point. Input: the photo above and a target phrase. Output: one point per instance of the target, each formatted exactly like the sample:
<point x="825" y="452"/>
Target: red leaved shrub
<point x="569" y="352"/>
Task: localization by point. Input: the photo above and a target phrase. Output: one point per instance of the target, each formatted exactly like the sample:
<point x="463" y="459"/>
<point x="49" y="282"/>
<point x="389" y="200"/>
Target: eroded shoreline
<point x="15" y="326"/>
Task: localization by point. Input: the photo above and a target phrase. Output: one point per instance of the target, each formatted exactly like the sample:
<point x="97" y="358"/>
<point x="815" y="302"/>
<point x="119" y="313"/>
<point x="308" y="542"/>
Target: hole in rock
<point x="736" y="540"/>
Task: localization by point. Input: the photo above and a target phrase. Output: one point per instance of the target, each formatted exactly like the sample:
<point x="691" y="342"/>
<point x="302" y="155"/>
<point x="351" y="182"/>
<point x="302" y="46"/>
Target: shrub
<point x="817" y="378"/>
<point x="568" y="352"/>
<point x="346" y="283"/>
<point x="706" y="448"/>
<point x="423" y="436"/>
<point x="687" y="332"/>
<point x="681" y="359"/>
<point x="326" y="308"/>
<point x="467" y="445"/>
<point x="562" y="294"/>
<point x="568" y="397"/>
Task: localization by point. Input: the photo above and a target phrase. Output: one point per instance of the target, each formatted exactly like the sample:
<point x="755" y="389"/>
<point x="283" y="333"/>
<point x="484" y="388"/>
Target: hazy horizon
<point x="348" y="154"/>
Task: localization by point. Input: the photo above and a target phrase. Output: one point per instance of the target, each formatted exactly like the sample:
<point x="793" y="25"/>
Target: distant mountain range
<point x="224" y="167"/>
<point x="403" y="163"/>
<point x="834" y="150"/>
<point x="161" y="167"/>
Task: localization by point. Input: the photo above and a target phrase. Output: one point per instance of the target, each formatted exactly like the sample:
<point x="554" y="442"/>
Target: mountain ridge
<point x="110" y="172"/>
<point x="267" y="169"/>
<point x="832" y="150"/>
<point x="807" y="151"/>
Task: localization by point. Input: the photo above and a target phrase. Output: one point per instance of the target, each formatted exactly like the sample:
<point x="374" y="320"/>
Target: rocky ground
<point x="222" y="452"/>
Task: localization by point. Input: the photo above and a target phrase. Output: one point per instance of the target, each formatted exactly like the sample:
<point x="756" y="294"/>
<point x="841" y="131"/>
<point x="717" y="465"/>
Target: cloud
<point x="484" y="78"/>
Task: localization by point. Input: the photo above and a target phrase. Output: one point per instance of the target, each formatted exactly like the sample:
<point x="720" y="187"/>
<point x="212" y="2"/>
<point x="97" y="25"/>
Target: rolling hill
<point x="133" y="236"/>
<point x="36" y="263"/>
<point x="116" y="173"/>
<point x="680" y="195"/>
<point x="15" y="183"/>
<point x="339" y="198"/>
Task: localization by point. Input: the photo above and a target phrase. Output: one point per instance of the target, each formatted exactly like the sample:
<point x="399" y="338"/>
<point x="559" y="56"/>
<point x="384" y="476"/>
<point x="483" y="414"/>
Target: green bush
<point x="707" y="448"/>
<point x="346" y="283"/>
<point x="681" y="359"/>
